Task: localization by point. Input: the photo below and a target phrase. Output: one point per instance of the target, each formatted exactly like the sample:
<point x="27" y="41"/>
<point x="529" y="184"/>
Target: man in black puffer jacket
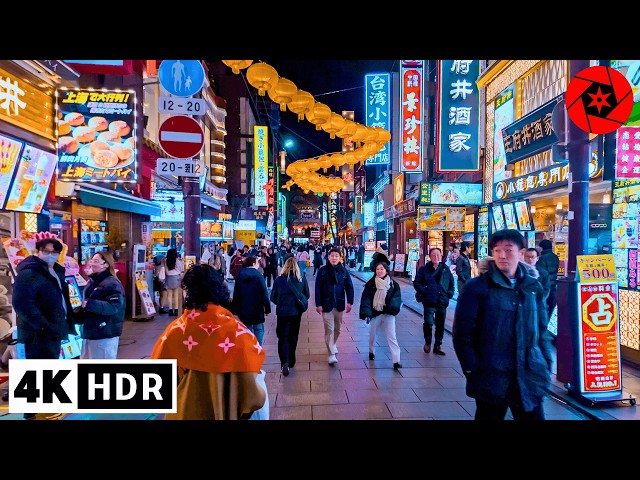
<point x="500" y="334"/>
<point x="41" y="301"/>
<point x="251" y="298"/>
<point x="434" y="285"/>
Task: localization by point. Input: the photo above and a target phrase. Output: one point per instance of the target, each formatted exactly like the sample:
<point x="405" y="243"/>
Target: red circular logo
<point x="599" y="99"/>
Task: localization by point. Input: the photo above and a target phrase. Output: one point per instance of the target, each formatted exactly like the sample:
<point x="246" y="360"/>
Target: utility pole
<point x="191" y="193"/>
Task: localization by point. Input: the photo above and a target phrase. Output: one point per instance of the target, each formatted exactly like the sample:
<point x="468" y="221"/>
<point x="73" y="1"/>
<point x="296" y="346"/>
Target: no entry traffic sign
<point x="181" y="137"/>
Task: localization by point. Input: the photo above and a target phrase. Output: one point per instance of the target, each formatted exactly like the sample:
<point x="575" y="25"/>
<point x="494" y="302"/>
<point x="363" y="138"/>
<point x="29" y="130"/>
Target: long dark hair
<point x="172" y="256"/>
<point x="203" y="285"/>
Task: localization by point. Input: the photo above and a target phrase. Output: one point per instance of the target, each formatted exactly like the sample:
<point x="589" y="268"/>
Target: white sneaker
<point x="332" y="359"/>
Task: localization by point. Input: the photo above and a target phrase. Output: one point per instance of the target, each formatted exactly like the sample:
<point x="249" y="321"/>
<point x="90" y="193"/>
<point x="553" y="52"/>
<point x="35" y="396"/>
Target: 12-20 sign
<point x="181" y="106"/>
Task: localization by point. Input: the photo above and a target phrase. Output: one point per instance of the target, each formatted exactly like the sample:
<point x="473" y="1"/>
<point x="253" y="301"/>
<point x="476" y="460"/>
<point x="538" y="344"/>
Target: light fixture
<point x="533" y="209"/>
<point x="283" y="161"/>
<point x="606" y="198"/>
<point x="559" y="206"/>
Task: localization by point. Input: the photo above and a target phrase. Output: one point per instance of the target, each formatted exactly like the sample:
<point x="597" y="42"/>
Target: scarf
<point x="382" y="285"/>
<point x="331" y="271"/>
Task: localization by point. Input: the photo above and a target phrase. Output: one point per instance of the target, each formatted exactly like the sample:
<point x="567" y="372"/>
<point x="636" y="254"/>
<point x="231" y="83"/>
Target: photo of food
<point x="116" y="155"/>
<point x="624" y="233"/>
<point x="510" y="216"/>
<point x="498" y="217"/>
<point x="523" y="215"/>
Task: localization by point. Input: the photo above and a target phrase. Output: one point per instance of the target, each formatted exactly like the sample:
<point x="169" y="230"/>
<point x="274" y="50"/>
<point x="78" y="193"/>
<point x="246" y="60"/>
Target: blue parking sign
<point x="182" y="78"/>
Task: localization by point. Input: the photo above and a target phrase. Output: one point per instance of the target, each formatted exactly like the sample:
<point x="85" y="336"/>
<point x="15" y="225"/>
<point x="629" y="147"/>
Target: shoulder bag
<point x="302" y="302"/>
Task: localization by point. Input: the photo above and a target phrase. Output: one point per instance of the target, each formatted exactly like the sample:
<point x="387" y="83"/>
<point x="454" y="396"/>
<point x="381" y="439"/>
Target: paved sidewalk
<point x="618" y="410"/>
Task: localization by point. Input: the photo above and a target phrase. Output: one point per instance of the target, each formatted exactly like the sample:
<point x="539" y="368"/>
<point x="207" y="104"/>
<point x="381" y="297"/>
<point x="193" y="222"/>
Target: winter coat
<point x="250" y="297"/>
<point x="545" y="281"/>
<point x="331" y="295"/>
<point x="443" y="279"/>
<point x="284" y="298"/>
<point x="103" y="316"/>
<point x="272" y="264"/>
<point x="550" y="262"/>
<point x="317" y="259"/>
<point x="37" y="301"/>
<point x="463" y="269"/>
<point x="392" y="302"/>
<point x="500" y="335"/>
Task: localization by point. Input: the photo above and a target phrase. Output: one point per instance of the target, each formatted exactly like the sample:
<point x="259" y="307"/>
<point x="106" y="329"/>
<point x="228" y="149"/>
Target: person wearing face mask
<point x="41" y="302"/>
<point x="102" y="311"/>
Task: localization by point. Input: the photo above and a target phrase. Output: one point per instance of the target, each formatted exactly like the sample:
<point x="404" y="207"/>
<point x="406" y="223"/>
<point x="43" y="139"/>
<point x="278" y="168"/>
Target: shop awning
<point x="209" y="202"/>
<point x="106" y="198"/>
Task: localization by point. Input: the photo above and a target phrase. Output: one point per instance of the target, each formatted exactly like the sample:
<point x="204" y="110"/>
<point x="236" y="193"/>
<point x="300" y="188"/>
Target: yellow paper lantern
<point x="337" y="159"/>
<point x="348" y="130"/>
<point x="318" y="114"/>
<point x="301" y="103"/>
<point x="359" y="134"/>
<point x="237" y="65"/>
<point x="325" y="162"/>
<point x="333" y="125"/>
<point x="282" y="92"/>
<point x="262" y="76"/>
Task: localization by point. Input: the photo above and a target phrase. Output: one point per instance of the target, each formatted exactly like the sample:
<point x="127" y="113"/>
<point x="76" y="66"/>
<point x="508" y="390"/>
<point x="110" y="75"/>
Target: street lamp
<point x="283" y="161"/>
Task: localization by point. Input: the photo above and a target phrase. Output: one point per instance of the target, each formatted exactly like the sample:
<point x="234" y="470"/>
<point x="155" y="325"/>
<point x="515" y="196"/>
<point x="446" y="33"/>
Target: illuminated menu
<point x="31" y="182"/>
<point x="483" y="231"/>
<point x="599" y="337"/>
<point x="9" y="152"/>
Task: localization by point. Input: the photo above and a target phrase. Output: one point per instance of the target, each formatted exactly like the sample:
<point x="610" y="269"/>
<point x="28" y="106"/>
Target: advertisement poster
<point x="96" y="136"/>
<point x="398" y="262"/>
<point x="456" y="219"/>
<point x="456" y="194"/>
<point x="143" y="291"/>
<point x="31" y="183"/>
<point x="599" y="337"/>
<point x="9" y="151"/>
<point x="523" y="214"/>
<point x="510" y="219"/>
<point x="432" y="218"/>
<point x="498" y="218"/>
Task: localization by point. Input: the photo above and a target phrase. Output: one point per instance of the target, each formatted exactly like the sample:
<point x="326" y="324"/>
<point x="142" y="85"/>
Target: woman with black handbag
<point x="290" y="294"/>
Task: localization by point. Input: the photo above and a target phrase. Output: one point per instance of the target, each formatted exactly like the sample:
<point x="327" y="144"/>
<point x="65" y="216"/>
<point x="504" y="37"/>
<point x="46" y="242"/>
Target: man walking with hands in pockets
<point x="334" y="295"/>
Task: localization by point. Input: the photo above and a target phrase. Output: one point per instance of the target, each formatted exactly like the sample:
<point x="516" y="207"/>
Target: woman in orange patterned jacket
<point x="219" y="359"/>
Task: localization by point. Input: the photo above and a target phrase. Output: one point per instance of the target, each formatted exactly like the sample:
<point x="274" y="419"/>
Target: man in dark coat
<point x="463" y="266"/>
<point x="251" y="298"/>
<point x="550" y="262"/>
<point x="500" y="334"/>
<point x="360" y="257"/>
<point x="41" y="302"/>
<point x="434" y="283"/>
<point x="531" y="257"/>
<point x="334" y="295"/>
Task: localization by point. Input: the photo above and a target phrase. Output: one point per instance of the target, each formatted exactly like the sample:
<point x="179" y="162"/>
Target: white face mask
<point x="50" y="258"/>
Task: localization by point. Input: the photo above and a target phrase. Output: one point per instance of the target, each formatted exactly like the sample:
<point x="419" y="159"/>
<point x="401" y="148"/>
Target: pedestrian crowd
<point x="500" y="334"/>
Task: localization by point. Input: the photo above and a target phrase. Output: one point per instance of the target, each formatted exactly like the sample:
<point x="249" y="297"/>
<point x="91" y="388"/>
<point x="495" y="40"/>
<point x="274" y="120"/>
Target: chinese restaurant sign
<point x="458" y="114"/>
<point x="628" y="152"/>
<point x="531" y="134"/>
<point x="26" y="103"/>
<point x="411" y="113"/>
<point x="377" y="94"/>
<point x="433" y="193"/>
<point x="96" y="136"/>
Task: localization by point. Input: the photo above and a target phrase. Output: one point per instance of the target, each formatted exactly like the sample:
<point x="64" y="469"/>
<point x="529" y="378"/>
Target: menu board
<point x="510" y="219"/>
<point x="498" y="218"/>
<point x="31" y="182"/>
<point x="455" y="219"/>
<point x="9" y="154"/>
<point x="523" y="215"/>
<point x="143" y="291"/>
<point x="449" y="219"/>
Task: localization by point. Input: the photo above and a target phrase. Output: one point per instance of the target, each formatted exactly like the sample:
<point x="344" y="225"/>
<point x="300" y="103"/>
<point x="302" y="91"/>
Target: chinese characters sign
<point x="531" y="134"/>
<point x="504" y="114"/>
<point x="411" y="113"/>
<point x="599" y="337"/>
<point x="96" y="136"/>
<point x="458" y="126"/>
<point x="377" y="92"/>
<point x="25" y="102"/>
<point x="553" y="176"/>
<point x="628" y="152"/>
<point x="434" y="193"/>
<point x="261" y="160"/>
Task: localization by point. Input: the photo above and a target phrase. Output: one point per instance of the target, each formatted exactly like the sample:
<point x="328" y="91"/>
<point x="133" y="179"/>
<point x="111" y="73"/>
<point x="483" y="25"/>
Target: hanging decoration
<point x="367" y="140"/>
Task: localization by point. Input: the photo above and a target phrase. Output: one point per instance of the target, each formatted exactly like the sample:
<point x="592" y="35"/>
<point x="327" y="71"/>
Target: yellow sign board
<point x="595" y="268"/>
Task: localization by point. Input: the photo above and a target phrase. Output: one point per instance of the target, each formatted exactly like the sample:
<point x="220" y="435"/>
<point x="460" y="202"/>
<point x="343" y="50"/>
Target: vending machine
<point x="142" y="307"/>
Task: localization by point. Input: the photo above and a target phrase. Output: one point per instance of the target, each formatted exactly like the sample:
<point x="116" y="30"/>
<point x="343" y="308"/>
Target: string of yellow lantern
<point x="367" y="140"/>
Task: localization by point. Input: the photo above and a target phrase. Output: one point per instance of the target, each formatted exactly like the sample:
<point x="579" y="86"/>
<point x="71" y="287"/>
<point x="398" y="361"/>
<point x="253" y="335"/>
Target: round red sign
<point x="181" y="137"/>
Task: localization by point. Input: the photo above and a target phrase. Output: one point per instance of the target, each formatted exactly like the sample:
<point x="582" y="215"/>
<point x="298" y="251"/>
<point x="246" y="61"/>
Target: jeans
<point x="287" y="331"/>
<point x="303" y="267"/>
<point x="258" y="331"/>
<point x="433" y="315"/>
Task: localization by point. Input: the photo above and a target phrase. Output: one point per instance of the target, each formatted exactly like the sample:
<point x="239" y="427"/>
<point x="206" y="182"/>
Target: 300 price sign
<point x="596" y="268"/>
<point x="92" y="386"/>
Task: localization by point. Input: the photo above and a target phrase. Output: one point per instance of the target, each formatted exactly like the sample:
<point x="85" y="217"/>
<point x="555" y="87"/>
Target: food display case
<point x="92" y="238"/>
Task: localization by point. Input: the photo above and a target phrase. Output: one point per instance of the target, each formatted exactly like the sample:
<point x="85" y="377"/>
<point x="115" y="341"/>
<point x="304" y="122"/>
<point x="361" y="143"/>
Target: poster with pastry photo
<point x="96" y="136"/>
